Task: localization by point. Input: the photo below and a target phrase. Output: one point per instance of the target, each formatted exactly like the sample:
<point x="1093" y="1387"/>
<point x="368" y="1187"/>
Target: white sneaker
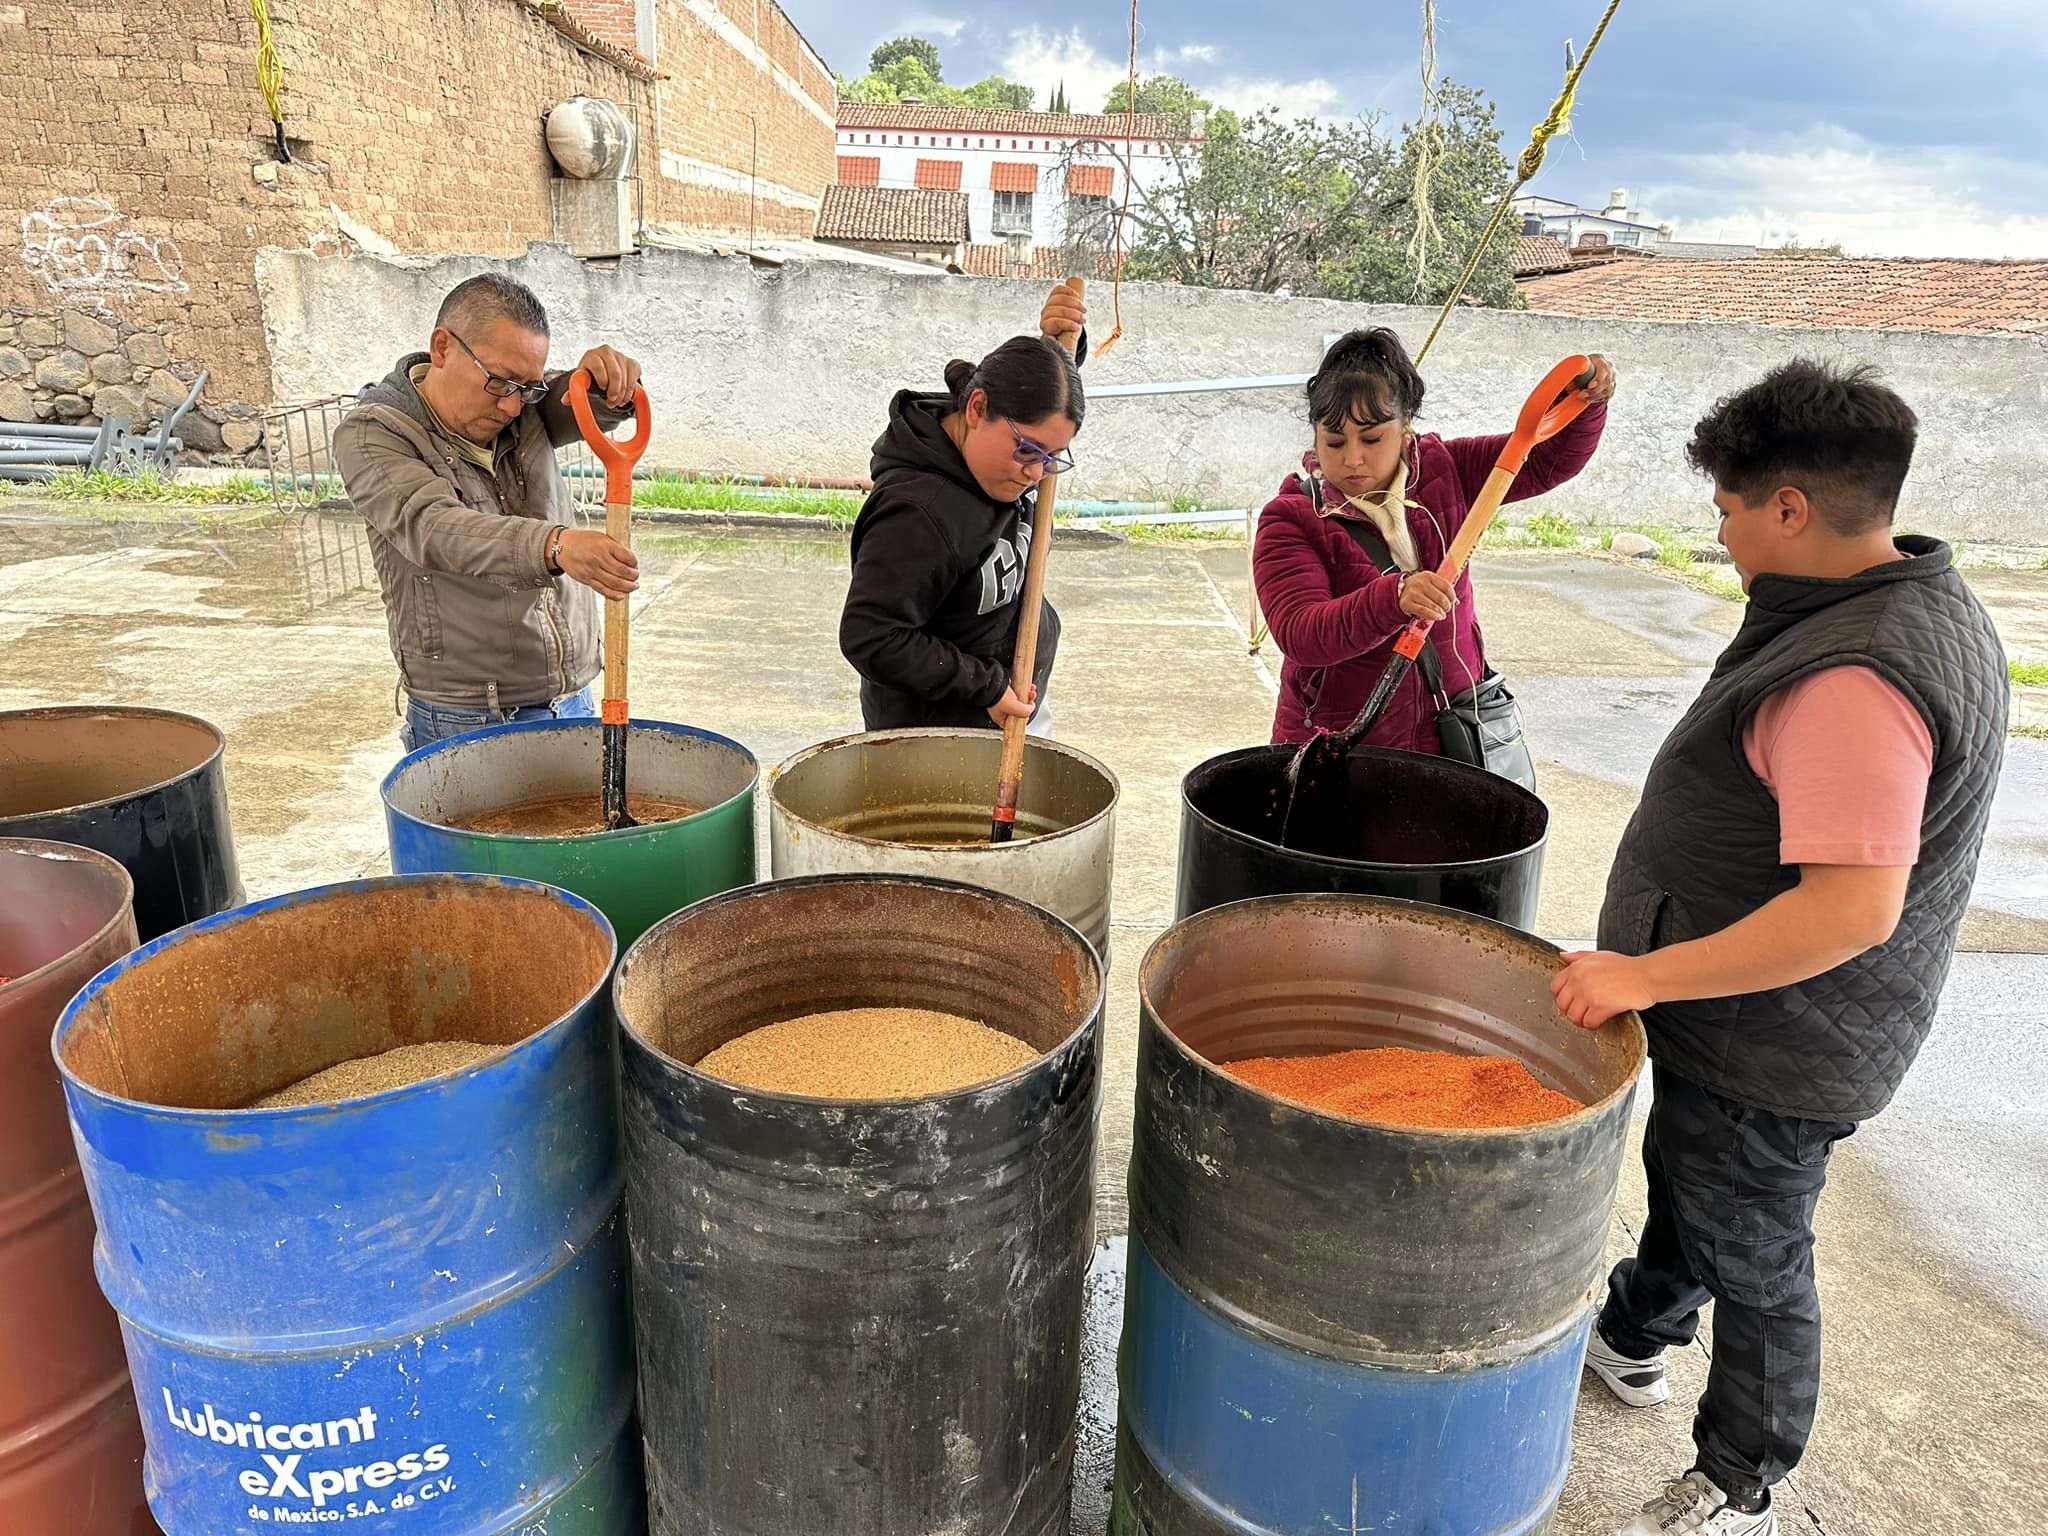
<point x="1693" y="1506"/>
<point x="1639" y="1383"/>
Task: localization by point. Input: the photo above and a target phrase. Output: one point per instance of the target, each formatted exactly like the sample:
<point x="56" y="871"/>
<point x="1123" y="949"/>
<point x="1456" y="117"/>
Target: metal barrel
<point x="146" y="787"/>
<point x="396" y="1313"/>
<point x="70" y="1443"/>
<point x="1422" y="829"/>
<point x="859" y="1316"/>
<point x="917" y="803"/>
<point x="1336" y="1325"/>
<point x="636" y="875"/>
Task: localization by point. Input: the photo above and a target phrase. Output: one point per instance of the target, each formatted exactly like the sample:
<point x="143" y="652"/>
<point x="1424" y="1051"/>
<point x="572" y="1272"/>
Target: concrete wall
<point x="791" y="370"/>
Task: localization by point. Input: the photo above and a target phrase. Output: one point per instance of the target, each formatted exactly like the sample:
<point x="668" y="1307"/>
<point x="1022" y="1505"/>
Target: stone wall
<point x="791" y="370"/>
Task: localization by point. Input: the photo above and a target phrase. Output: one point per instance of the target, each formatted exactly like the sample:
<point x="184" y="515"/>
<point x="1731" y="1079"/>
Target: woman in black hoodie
<point x="938" y="551"/>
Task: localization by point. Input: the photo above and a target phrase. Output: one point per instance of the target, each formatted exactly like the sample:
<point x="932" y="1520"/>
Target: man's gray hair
<point x="475" y="302"/>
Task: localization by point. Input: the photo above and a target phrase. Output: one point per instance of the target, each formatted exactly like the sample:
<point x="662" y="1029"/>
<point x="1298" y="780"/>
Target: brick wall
<point x="616" y="21"/>
<point x="142" y="174"/>
<point x="746" y="121"/>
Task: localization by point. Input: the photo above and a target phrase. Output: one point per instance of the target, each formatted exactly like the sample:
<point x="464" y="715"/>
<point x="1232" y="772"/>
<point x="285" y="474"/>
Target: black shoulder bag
<point x="1481" y="725"/>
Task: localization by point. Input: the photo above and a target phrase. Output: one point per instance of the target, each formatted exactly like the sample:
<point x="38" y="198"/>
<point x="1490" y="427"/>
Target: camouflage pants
<point x="1732" y="1194"/>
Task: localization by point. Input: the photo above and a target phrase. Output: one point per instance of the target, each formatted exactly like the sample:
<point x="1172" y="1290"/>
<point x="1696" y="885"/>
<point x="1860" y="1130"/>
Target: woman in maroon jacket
<point x="1336" y="610"/>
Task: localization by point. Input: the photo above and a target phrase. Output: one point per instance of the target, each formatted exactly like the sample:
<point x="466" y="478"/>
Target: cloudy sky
<point x="1896" y="127"/>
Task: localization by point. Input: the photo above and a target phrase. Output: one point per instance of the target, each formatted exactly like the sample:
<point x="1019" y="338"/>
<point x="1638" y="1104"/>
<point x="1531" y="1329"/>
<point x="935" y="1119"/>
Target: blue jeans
<point x="437" y="722"/>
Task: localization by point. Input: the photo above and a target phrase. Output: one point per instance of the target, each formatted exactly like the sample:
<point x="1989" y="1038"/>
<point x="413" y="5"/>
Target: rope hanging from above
<point x="1557" y="120"/>
<point x="270" y="75"/>
<point x="1116" y="277"/>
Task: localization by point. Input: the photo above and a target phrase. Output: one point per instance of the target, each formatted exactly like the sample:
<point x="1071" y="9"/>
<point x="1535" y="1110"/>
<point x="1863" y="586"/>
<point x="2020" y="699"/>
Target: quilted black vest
<point x="1702" y="849"/>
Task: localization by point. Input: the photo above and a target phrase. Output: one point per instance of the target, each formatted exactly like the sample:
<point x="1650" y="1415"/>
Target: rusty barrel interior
<point x="59" y="759"/>
<point x="275" y="995"/>
<point x="146" y="787"/>
<point x="70" y="1442"/>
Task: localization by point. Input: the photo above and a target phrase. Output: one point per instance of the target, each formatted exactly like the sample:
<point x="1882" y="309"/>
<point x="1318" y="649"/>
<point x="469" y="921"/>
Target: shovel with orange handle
<point x="618" y="459"/>
<point x="1550" y="408"/>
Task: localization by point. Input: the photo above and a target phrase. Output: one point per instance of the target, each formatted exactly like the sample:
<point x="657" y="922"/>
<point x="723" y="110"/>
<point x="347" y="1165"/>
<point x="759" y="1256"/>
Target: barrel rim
<point x="1328" y="861"/>
<point x="1341" y="901"/>
<point x="71" y="853"/>
<point x="119" y="711"/>
<point x="419" y="755"/>
<point x="765" y="890"/>
<point x="798" y="759"/>
<point x="306" y="897"/>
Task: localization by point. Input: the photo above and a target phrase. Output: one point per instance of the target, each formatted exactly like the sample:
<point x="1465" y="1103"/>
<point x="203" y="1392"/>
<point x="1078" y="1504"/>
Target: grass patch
<point x="1145" y="535"/>
<point x="1547" y="530"/>
<point x="675" y="493"/>
<point x="149" y="487"/>
<point x="2027" y="673"/>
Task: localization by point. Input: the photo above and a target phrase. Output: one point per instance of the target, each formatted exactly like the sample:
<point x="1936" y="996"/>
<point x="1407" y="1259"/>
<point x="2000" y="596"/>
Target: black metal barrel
<point x="1416" y="828"/>
<point x="1337" y="1325"/>
<point x="146" y="787"/>
<point x="859" y="1316"/>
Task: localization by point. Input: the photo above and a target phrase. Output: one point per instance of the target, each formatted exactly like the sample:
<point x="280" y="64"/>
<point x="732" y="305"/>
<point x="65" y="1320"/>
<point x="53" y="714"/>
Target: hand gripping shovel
<point x="618" y="459"/>
<point x="1316" y="782"/>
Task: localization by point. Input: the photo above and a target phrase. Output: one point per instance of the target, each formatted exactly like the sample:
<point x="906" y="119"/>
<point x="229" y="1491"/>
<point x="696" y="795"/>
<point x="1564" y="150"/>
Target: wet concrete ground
<point x="1933" y="1259"/>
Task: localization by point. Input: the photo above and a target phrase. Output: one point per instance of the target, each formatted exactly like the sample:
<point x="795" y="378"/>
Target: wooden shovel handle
<point x="1024" y="663"/>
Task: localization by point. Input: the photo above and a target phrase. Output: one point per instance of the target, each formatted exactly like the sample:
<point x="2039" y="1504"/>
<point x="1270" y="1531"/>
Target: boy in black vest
<point x="1783" y="910"/>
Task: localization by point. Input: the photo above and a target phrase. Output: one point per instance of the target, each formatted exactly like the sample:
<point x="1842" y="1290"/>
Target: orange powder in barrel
<point x="1424" y="1089"/>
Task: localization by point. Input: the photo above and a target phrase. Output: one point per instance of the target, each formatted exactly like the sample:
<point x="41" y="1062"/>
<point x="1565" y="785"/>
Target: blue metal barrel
<point x="636" y="875"/>
<point x="399" y="1313"/>
<point x="1333" y="1325"/>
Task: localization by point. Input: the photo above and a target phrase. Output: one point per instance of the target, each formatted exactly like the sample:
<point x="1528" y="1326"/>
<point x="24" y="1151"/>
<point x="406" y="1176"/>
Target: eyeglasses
<point x="1029" y="452"/>
<point x="500" y="386"/>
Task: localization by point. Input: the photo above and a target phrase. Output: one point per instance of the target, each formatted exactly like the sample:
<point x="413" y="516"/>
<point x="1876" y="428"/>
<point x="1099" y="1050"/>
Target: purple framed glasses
<point x="1029" y="452"/>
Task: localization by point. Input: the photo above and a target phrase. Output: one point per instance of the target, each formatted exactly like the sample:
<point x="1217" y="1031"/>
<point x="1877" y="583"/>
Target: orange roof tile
<point x="1965" y="297"/>
<point x="1532" y="253"/>
<point x="893" y="215"/>
<point x="1152" y="126"/>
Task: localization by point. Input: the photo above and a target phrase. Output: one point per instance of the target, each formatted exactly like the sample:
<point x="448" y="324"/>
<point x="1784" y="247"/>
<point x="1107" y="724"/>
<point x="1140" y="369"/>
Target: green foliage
<point x="1326" y="209"/>
<point x="908" y="69"/>
<point x="1167" y="95"/>
<point x="2027" y="673"/>
<point x="922" y="49"/>
<point x="149" y="486"/>
<point x="675" y="492"/>
<point x="1059" y="99"/>
<point x="1550" y="531"/>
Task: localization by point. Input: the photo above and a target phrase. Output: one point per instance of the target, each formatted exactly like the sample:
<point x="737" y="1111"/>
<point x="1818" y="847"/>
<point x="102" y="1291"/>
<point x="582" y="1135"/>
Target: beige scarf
<point x="1388" y="511"/>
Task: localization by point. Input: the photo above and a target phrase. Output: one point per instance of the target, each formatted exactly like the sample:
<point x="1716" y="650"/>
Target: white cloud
<point x="943" y="28"/>
<point x="1832" y="186"/>
<point x="1044" y="60"/>
<point x="1289" y="98"/>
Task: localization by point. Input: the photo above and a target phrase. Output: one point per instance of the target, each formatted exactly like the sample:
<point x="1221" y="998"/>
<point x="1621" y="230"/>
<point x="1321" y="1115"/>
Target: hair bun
<point x="959" y="376"/>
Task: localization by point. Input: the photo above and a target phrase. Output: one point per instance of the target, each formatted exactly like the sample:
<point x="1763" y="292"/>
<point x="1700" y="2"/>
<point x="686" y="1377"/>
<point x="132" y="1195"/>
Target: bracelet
<point x="552" y="555"/>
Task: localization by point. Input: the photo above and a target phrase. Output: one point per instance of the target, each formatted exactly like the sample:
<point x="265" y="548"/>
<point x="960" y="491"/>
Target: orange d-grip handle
<point x="618" y="458"/>
<point x="1551" y="407"/>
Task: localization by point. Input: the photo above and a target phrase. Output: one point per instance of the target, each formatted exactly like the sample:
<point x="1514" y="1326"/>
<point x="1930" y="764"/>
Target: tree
<point x="923" y="49"/>
<point x="1001" y="94"/>
<point x="1260" y="203"/>
<point x="1059" y="99"/>
<point x="1164" y="94"/>
<point x="1326" y="209"/>
<point x="1470" y="176"/>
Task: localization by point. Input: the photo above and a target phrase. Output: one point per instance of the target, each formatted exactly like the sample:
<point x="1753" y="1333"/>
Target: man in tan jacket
<point x="450" y="459"/>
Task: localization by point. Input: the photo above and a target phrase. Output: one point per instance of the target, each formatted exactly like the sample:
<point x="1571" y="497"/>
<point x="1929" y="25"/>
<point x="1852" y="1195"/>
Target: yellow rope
<point x="270" y="73"/>
<point x="1559" y="120"/>
<point x="1116" y="281"/>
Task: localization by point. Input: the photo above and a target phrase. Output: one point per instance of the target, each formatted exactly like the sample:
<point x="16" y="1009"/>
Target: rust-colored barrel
<point x="70" y="1443"/>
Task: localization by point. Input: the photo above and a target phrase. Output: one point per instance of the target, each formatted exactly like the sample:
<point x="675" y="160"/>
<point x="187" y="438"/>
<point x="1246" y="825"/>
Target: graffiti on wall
<point x="82" y="246"/>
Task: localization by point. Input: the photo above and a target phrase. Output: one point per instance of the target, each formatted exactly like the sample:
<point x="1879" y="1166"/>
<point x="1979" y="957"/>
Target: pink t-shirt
<point x="1848" y="759"/>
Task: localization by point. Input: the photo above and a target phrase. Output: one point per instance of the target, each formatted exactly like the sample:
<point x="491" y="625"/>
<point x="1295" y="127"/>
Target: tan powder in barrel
<point x="569" y="816"/>
<point x="373" y="1074"/>
<point x="868" y="1053"/>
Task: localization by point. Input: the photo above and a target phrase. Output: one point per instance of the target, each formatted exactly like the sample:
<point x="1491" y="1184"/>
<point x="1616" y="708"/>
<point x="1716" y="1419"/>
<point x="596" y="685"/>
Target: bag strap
<point x="1374" y="543"/>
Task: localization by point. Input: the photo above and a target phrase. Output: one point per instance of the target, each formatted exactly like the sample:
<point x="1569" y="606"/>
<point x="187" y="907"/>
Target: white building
<point x="1618" y="222"/>
<point x="1023" y="172"/>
